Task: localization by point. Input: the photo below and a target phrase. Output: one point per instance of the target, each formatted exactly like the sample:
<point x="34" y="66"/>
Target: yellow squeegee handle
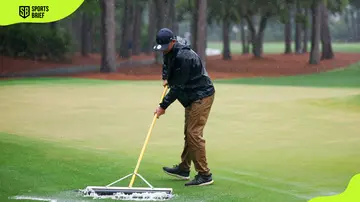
<point x="146" y="141"/>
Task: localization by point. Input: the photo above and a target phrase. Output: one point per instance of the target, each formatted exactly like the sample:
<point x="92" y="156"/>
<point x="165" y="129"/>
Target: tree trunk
<point x="298" y="29"/>
<point x="257" y="38"/>
<point x="159" y="10"/>
<point x="347" y="22"/>
<point x="306" y="32"/>
<point x="253" y="37"/>
<point x="245" y="49"/>
<point x="327" y="51"/>
<point x="248" y="39"/>
<point x="358" y="25"/>
<point x="86" y="29"/>
<point x="137" y="29"/>
<point x="194" y="21"/>
<point x="151" y="27"/>
<point x="353" y="25"/>
<point x="259" y="50"/>
<point x="108" y="52"/>
<point x="71" y="27"/>
<point x="174" y="24"/>
<point x="126" y="31"/>
<point x="76" y="30"/>
<point x="315" y="34"/>
<point x="288" y="33"/>
<point x="226" y="39"/>
<point x="53" y="26"/>
<point x="201" y="30"/>
<point x="166" y="13"/>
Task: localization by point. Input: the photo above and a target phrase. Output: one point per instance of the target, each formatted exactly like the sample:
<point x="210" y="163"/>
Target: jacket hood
<point x="181" y="43"/>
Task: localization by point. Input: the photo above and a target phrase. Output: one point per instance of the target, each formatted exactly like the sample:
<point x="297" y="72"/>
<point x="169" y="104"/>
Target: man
<point x="189" y="83"/>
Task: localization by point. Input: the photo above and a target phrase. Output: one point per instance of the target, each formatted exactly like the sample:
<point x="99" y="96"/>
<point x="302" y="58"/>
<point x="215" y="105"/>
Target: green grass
<point x="34" y="167"/>
<point x="51" y="81"/>
<point x="278" y="47"/>
<point x="264" y="143"/>
<point x="345" y="77"/>
<point x="350" y="103"/>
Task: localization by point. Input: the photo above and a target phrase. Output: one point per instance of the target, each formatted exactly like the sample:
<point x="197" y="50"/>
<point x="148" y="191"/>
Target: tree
<point x="257" y="36"/>
<point x="53" y="26"/>
<point x="89" y="10"/>
<point x="126" y="29"/>
<point x="151" y="30"/>
<point x="306" y="31"/>
<point x="264" y="9"/>
<point x="244" y="37"/>
<point x="159" y="19"/>
<point x="315" y="33"/>
<point x="201" y="29"/>
<point x="301" y="19"/>
<point x="288" y="29"/>
<point x="174" y="25"/>
<point x="138" y="10"/>
<point x="327" y="52"/>
<point x="86" y="25"/>
<point x="352" y="19"/>
<point x="193" y="8"/>
<point x="223" y="12"/>
<point x="108" y="53"/>
<point x="298" y="28"/>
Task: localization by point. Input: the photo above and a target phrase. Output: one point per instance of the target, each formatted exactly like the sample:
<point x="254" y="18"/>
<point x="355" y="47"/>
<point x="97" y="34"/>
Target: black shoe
<point x="177" y="172"/>
<point x="201" y="180"/>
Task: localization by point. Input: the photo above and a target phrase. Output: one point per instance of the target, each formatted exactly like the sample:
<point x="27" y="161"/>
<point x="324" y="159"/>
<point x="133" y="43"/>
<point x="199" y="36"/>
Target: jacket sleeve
<point x="181" y="74"/>
<point x="165" y="72"/>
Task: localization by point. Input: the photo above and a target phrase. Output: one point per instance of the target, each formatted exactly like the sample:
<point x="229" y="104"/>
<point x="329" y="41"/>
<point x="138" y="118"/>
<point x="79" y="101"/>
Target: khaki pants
<point x="196" y="116"/>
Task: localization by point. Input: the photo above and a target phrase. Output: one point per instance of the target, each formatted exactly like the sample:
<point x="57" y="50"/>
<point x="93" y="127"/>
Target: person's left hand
<point x="159" y="111"/>
<point x="165" y="83"/>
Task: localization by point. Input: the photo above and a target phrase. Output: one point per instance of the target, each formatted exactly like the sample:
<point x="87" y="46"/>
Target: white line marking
<point x="32" y="198"/>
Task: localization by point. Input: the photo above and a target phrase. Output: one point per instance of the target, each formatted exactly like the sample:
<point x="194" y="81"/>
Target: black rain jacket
<point x="187" y="78"/>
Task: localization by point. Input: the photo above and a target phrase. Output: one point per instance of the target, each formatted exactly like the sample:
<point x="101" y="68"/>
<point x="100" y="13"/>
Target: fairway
<point x="264" y="143"/>
<point x="279" y="47"/>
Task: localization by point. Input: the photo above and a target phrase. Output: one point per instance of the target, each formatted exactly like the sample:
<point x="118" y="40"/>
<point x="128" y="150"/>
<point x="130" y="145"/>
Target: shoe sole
<point x="177" y="176"/>
<point x="203" y="184"/>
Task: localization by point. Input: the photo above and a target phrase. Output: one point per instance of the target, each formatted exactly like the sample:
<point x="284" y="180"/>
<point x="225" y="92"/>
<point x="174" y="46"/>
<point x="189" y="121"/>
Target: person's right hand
<point x="165" y="83"/>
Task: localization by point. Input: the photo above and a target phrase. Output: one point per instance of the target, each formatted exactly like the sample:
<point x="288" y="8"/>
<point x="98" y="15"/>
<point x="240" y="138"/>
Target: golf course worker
<point x="190" y="84"/>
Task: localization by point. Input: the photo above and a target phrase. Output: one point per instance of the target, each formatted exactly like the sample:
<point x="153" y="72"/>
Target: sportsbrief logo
<point x="35" y="12"/>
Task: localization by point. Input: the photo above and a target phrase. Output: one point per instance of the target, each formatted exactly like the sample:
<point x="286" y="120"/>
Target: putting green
<point x="263" y="143"/>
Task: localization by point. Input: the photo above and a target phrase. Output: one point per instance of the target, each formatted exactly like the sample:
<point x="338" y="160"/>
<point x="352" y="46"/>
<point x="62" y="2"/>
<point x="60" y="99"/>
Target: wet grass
<point x="265" y="143"/>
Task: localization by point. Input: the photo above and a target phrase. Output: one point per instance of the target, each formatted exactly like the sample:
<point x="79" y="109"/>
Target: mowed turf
<point x="264" y="143"/>
<point x="347" y="77"/>
<point x="279" y="47"/>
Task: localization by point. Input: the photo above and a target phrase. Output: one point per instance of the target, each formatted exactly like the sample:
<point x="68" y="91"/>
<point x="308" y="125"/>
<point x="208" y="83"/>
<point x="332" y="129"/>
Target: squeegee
<point x="130" y="192"/>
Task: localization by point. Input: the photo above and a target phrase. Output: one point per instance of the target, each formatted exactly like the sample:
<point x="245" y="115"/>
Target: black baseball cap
<point x="163" y="39"/>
